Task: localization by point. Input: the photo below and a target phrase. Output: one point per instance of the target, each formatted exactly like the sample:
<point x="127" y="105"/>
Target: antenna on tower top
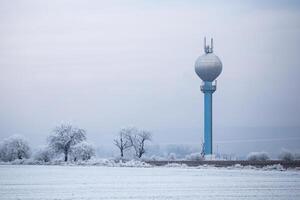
<point x="208" y="48"/>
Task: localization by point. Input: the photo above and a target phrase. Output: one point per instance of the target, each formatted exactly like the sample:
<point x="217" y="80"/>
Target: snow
<point x="176" y="165"/>
<point x="97" y="182"/>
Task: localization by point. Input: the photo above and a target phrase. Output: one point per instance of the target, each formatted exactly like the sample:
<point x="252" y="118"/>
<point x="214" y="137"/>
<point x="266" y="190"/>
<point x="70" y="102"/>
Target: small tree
<point x="14" y="147"/>
<point x="138" y="141"/>
<point x="82" y="151"/>
<point x="64" y="137"/>
<point x="122" y="141"/>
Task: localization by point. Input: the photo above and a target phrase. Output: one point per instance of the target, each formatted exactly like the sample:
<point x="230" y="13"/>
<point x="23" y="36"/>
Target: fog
<point x="103" y="65"/>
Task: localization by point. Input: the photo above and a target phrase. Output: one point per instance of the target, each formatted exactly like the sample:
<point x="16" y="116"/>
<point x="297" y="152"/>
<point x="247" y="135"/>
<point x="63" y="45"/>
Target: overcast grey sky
<point x="102" y="65"/>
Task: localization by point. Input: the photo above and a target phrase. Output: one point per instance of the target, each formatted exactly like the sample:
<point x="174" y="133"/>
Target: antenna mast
<point x="208" y="48"/>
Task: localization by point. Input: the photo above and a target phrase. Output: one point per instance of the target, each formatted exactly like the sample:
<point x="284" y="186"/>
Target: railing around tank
<point x="209" y="86"/>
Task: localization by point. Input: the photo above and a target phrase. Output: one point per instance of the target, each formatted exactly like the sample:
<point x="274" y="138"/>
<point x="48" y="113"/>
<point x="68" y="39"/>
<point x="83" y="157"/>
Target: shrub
<point x="297" y="156"/>
<point x="258" y="156"/>
<point x="44" y="154"/>
<point x="194" y="157"/>
<point x="172" y="156"/>
<point x="156" y="158"/>
<point x="286" y="155"/>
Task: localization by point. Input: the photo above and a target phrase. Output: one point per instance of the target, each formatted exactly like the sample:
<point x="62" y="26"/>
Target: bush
<point x="172" y="156"/>
<point x="286" y="155"/>
<point x="194" y="157"/>
<point x="44" y="154"/>
<point x="156" y="158"/>
<point x="14" y="147"/>
<point x="297" y="156"/>
<point x="258" y="156"/>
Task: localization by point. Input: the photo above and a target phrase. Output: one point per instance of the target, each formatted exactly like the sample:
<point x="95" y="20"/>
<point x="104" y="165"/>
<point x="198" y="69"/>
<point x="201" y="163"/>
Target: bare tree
<point x="122" y="141"/>
<point x="65" y="136"/>
<point x="138" y="140"/>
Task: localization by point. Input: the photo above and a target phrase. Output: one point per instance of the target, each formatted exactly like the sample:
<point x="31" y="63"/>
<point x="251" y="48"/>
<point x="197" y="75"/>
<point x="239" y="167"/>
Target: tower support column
<point x="208" y="89"/>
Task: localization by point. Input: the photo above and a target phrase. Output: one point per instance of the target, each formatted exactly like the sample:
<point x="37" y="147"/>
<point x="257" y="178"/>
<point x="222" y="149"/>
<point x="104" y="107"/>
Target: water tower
<point x="208" y="67"/>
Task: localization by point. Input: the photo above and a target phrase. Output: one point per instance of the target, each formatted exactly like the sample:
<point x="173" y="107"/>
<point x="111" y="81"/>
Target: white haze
<point x="102" y="65"/>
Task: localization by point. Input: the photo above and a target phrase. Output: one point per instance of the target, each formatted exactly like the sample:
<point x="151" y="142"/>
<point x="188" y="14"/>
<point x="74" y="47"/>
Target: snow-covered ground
<point x="98" y="182"/>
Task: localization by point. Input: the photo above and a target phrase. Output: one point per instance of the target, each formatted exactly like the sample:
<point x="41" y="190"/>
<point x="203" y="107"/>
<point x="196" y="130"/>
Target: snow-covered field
<point x="97" y="182"/>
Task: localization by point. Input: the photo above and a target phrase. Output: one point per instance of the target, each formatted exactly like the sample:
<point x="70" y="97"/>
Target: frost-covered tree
<point x="195" y="156"/>
<point x="64" y="137"/>
<point x="258" y="156"/>
<point x="14" y="147"/>
<point x="172" y="156"/>
<point x="122" y="141"/>
<point x="138" y="140"/>
<point x="82" y="151"/>
<point x="156" y="158"/>
<point x="286" y="155"/>
<point x="44" y="154"/>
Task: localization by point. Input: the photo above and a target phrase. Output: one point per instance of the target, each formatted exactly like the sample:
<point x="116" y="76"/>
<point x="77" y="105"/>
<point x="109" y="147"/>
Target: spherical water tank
<point x="208" y="67"/>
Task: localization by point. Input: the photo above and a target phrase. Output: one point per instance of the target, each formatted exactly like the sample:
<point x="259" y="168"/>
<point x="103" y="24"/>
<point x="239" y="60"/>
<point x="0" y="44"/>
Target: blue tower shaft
<point x="208" y="123"/>
<point x="208" y="89"/>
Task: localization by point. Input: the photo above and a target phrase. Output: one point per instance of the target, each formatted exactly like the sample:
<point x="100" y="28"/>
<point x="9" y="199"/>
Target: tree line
<point x="71" y="143"/>
<point x="67" y="142"/>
